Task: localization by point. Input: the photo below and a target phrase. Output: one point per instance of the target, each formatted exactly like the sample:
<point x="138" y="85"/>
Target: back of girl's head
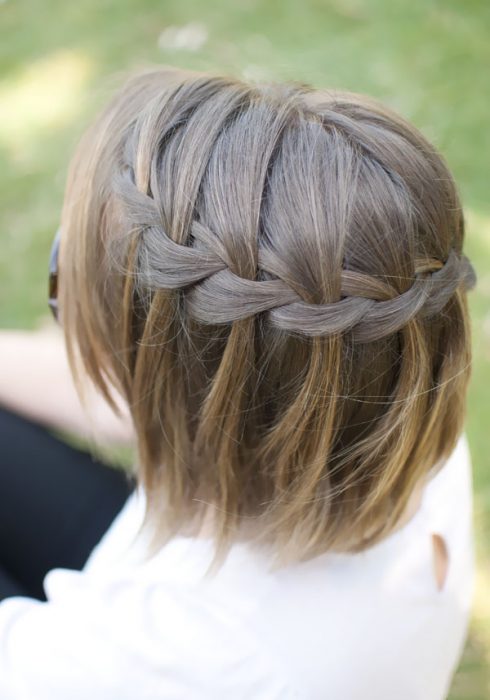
<point x="273" y="277"/>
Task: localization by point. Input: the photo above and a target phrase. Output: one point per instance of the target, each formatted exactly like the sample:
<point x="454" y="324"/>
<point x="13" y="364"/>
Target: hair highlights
<point x="273" y="277"/>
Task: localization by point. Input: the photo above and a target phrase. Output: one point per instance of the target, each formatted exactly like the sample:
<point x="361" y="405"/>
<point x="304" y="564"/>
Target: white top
<point x="368" y="626"/>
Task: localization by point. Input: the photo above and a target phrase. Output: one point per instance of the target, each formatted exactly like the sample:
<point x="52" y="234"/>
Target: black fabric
<point x="56" y="502"/>
<point x="10" y="587"/>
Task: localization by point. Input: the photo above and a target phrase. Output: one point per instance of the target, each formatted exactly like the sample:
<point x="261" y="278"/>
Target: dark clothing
<point x="56" y="502"/>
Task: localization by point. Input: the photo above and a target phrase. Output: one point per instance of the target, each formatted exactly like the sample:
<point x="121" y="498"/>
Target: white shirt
<point x="368" y="626"/>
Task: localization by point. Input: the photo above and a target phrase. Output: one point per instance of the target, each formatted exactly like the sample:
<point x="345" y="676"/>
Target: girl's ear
<point x="441" y="559"/>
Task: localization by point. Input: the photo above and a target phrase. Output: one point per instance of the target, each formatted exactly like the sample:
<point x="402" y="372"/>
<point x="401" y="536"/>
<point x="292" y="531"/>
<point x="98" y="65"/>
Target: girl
<point x="271" y="279"/>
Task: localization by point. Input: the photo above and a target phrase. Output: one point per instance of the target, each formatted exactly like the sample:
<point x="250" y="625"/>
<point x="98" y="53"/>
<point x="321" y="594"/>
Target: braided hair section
<point x="368" y="308"/>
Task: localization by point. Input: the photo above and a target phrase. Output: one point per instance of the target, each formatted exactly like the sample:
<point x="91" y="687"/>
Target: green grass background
<point x="430" y="60"/>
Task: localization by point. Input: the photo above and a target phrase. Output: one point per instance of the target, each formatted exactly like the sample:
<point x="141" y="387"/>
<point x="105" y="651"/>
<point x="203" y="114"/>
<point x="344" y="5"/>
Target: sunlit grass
<point x="482" y="605"/>
<point x="479" y="227"/>
<point x="44" y="97"/>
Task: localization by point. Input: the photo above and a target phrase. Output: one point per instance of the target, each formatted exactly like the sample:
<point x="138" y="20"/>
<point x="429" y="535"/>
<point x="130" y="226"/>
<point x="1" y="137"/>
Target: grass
<point x="430" y="60"/>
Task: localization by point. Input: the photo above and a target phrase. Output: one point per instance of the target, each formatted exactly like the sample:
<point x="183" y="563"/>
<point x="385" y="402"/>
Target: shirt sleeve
<point x="117" y="639"/>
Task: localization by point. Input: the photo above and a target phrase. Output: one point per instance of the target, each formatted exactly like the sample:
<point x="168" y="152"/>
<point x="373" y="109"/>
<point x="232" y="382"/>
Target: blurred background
<point x="430" y="60"/>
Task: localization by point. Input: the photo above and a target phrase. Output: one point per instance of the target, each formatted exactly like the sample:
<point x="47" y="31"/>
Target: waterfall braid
<point x="273" y="277"/>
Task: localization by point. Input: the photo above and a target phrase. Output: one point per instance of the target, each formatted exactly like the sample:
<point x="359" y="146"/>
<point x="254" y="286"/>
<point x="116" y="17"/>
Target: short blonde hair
<point x="273" y="277"/>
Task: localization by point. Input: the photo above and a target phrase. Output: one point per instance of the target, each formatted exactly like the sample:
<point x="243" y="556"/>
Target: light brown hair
<point x="273" y="277"/>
